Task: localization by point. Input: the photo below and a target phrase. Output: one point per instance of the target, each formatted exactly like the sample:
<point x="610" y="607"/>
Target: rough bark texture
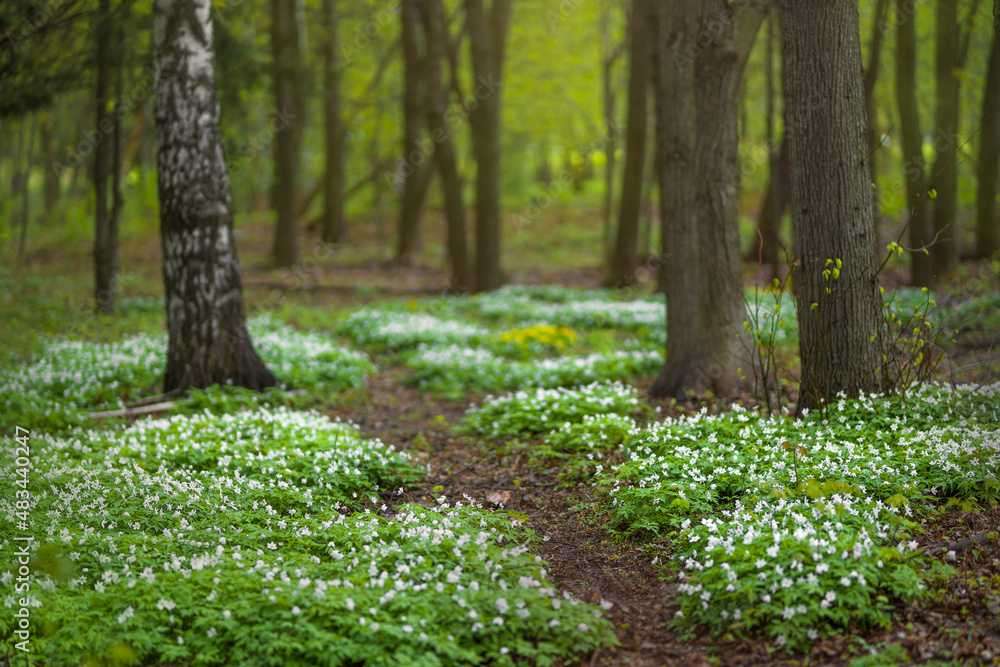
<point x="105" y="252"/>
<point x="416" y="168"/>
<point x="944" y="179"/>
<point x="333" y="181"/>
<point x="206" y="318"/>
<point x="285" y="46"/>
<point x="444" y="150"/>
<point x="702" y="49"/>
<point x="912" y="140"/>
<point x="623" y="261"/>
<point x="871" y="116"/>
<point x="831" y="202"/>
<point x="987" y="220"/>
<point x="487" y="34"/>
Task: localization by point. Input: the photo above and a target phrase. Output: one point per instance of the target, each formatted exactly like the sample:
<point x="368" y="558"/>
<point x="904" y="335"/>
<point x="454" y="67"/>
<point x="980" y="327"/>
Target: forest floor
<point x="957" y="623"/>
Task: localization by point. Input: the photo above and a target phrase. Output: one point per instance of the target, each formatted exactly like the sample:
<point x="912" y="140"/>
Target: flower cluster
<point x="222" y="538"/>
<point x="451" y="370"/>
<point x="389" y="330"/>
<point x="71" y="377"/>
<point x="533" y="411"/>
<point x="806" y="508"/>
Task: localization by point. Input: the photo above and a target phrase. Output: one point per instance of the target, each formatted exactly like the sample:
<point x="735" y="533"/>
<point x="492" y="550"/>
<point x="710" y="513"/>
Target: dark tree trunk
<point x="26" y="189"/>
<point x="870" y="78"/>
<point x="611" y="145"/>
<point x="987" y="221"/>
<point x="487" y="35"/>
<point x="415" y="162"/>
<point x="285" y="48"/>
<point x="841" y="328"/>
<point x="912" y="144"/>
<point x="52" y="157"/>
<point x="623" y="262"/>
<point x="117" y="199"/>
<point x="105" y="251"/>
<point x="944" y="180"/>
<point x="444" y="150"/>
<point x="333" y="210"/>
<point x="699" y="66"/>
<point x="767" y="245"/>
<point x="206" y="318"/>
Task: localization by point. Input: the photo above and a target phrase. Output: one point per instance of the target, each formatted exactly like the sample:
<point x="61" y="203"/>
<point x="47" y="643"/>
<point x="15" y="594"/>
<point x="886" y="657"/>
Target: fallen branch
<point x="134" y="412"/>
<point x="153" y="399"/>
<point x="959" y="545"/>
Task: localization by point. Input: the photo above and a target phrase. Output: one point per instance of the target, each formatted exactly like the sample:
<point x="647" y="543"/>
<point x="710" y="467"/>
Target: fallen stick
<point x="134" y="412"/>
<point x="959" y="545"/>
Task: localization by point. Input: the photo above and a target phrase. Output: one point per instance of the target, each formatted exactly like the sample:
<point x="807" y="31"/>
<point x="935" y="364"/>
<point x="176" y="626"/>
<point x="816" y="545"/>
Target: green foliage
<point x="264" y="538"/>
<point x="71" y="378"/>
<point x="536" y="411"/>
<point x="799" y="528"/>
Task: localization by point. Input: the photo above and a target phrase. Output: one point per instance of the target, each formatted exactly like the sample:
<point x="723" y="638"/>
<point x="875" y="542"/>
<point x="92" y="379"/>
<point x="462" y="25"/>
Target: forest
<point x="499" y="332"/>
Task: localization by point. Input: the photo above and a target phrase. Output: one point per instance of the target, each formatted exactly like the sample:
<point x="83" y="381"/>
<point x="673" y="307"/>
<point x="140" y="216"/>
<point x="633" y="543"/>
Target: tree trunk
<point x="871" y="116"/>
<point x="206" y="318"/>
<point x="117" y="199"/>
<point x="52" y="157"/>
<point x="26" y="188"/>
<point x="105" y="253"/>
<point x="699" y="66"/>
<point x="623" y="263"/>
<point x="912" y="145"/>
<point x="285" y="44"/>
<point x="444" y="150"/>
<point x="987" y="221"/>
<point x="607" y="71"/>
<point x="944" y="180"/>
<point x="333" y="211"/>
<point x="134" y="136"/>
<point x="765" y="247"/>
<point x="487" y="35"/>
<point x="841" y="327"/>
<point x="414" y="164"/>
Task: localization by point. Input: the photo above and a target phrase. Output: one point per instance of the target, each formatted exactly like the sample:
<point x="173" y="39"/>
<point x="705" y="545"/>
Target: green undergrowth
<point x="796" y="529"/>
<point x="266" y="537"/>
<point x="69" y="378"/>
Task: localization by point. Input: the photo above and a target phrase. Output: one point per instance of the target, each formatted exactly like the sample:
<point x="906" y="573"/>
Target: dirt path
<point x="587" y="560"/>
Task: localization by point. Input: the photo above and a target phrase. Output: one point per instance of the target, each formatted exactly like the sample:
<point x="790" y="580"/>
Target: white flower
<point x="582" y="627"/>
<point x="349" y="603"/>
<point x="125" y="615"/>
<point x="165" y="605"/>
<point x="226" y="613"/>
<point x="296" y="611"/>
<point x="501" y="605"/>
